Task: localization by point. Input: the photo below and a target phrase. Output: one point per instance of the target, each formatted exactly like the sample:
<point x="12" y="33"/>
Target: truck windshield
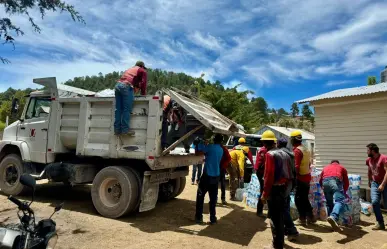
<point x="250" y="141"/>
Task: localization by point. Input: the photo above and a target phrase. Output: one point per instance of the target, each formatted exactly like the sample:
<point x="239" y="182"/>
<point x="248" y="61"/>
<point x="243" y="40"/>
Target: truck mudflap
<point x="151" y="184"/>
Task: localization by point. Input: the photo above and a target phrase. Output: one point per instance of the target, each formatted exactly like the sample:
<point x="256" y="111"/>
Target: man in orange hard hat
<point x="302" y="160"/>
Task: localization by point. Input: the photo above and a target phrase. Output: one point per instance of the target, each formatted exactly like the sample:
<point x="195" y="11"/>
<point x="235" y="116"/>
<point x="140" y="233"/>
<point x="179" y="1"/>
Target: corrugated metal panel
<point x="286" y="131"/>
<point x="347" y="92"/>
<point x="204" y="113"/>
<point x="342" y="133"/>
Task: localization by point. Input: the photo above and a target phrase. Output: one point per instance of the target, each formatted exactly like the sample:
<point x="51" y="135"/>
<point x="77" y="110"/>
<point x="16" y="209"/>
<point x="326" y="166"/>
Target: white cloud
<point x="207" y="41"/>
<point x="338" y="82"/>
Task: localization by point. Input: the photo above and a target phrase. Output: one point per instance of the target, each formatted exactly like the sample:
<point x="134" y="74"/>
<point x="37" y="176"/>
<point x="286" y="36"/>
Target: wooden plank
<point x="180" y="140"/>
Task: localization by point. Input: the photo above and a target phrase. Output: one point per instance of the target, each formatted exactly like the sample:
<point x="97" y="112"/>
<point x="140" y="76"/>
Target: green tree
<point x="295" y="110"/>
<point x="23" y="7"/>
<point x="371" y="80"/>
<point x="306" y="112"/>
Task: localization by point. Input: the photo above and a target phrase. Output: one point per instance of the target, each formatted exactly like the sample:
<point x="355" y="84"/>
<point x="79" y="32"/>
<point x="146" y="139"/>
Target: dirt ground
<point x="171" y="225"/>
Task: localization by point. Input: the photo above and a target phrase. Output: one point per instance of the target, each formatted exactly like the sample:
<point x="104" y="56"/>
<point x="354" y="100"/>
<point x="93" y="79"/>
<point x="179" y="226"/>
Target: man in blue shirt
<point x="210" y="179"/>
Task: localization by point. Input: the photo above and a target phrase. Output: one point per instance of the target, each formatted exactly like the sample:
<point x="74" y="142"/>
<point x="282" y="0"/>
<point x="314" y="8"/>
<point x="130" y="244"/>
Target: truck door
<point x="34" y="127"/>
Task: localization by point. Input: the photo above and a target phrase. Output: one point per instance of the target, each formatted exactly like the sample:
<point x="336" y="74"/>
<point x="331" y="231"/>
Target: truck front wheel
<point x="11" y="168"/>
<point x="115" y="192"/>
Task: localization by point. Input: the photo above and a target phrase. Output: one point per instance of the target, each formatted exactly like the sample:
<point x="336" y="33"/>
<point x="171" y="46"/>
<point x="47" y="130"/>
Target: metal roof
<point x="347" y="92"/>
<point x="65" y="91"/>
<point x="286" y="131"/>
<point x="206" y="114"/>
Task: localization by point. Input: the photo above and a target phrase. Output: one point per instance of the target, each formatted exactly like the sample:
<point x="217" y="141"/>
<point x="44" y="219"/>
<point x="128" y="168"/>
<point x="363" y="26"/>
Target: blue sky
<point x="283" y="50"/>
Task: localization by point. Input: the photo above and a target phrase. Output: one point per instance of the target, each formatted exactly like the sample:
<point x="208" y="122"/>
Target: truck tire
<point x="139" y="182"/>
<point x="11" y="168"/>
<point x="115" y="191"/>
<point x="169" y="190"/>
<point x="183" y="182"/>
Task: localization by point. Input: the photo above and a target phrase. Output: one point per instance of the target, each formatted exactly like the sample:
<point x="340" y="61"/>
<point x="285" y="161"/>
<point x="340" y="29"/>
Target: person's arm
<point x="269" y="176"/>
<point x="345" y="180"/>
<point x="297" y="159"/>
<point x="250" y="157"/>
<point x="384" y="182"/>
<point x="143" y="81"/>
<point x="241" y="163"/>
<point x="321" y="177"/>
<point x="369" y="174"/>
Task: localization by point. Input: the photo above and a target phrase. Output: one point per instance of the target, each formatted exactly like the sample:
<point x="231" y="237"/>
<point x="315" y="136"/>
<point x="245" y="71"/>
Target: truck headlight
<point x="52" y="241"/>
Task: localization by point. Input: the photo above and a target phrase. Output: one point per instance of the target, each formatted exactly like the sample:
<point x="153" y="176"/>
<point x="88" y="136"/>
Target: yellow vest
<point x="305" y="162"/>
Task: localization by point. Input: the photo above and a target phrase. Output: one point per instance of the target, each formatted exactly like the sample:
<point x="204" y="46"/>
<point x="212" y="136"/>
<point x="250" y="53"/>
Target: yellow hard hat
<point x="296" y="133"/>
<point x="242" y="140"/>
<point x="245" y="149"/>
<point x="268" y="136"/>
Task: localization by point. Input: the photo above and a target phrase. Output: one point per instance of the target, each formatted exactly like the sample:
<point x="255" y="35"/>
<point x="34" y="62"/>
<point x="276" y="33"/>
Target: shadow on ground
<point x="237" y="226"/>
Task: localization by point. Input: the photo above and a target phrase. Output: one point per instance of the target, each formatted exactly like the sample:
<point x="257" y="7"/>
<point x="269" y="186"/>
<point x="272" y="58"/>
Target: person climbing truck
<point x="133" y="80"/>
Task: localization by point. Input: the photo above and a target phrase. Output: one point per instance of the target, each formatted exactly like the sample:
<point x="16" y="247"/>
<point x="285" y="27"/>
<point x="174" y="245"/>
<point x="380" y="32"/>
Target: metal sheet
<point x="205" y="114"/>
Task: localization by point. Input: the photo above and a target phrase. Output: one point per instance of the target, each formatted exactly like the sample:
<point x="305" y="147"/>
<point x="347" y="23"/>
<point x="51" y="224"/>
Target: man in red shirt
<point x="277" y="177"/>
<point x="224" y="164"/>
<point x="133" y="80"/>
<point x="259" y="168"/>
<point x="377" y="180"/>
<point x="334" y="180"/>
<point x="302" y="164"/>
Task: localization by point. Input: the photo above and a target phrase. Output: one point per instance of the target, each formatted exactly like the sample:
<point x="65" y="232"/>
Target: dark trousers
<point x="290" y="228"/>
<point x="207" y="184"/>
<point x="277" y="205"/>
<point x="164" y="132"/>
<point x="260" y="204"/>
<point x="223" y="184"/>
<point x="302" y="200"/>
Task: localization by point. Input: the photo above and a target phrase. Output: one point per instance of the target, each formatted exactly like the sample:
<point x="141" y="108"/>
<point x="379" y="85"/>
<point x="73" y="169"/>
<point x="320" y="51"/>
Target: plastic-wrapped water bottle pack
<point x="316" y="195"/>
<point x="253" y="192"/>
<point x="352" y="207"/>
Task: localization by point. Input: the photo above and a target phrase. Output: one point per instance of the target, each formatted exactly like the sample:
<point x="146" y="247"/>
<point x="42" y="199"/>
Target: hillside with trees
<point x="251" y="113"/>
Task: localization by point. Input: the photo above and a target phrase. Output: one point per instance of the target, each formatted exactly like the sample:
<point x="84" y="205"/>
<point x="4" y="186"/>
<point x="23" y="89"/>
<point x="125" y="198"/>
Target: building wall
<point x="343" y="130"/>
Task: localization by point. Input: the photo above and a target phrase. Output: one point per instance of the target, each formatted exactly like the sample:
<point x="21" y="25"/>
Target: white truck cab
<point x="66" y="134"/>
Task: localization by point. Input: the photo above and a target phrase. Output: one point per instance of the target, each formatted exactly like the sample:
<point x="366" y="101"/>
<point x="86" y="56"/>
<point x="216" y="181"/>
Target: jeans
<point x="290" y="228"/>
<point x="196" y="169"/>
<point x="260" y="204"/>
<point x="375" y="198"/>
<point x="334" y="194"/>
<point x="124" y="103"/>
<point x="302" y="200"/>
<point x="207" y="184"/>
<point x="277" y="205"/>
<point x="223" y="184"/>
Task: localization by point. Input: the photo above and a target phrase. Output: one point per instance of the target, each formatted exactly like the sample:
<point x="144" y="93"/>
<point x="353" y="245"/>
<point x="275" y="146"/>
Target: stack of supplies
<point x="316" y="196"/>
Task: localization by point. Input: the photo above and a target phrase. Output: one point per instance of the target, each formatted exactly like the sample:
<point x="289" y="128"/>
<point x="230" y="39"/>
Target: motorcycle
<point x="28" y="234"/>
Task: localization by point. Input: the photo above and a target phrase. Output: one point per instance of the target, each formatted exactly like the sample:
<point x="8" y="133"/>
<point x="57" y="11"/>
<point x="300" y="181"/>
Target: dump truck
<point x="66" y="134"/>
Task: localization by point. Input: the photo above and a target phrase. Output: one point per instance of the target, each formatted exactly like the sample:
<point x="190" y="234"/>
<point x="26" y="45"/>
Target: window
<point x="38" y="108"/>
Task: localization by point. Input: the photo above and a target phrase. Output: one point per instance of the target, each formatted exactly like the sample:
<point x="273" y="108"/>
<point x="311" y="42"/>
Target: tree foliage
<point x="371" y="80"/>
<point x="295" y="110"/>
<point x="8" y="30"/>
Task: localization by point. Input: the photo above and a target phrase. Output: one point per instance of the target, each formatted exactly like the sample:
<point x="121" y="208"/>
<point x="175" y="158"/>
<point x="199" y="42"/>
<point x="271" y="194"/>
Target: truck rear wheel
<point x="11" y="168"/>
<point x="183" y="182"/>
<point x="171" y="189"/>
<point x="115" y="191"/>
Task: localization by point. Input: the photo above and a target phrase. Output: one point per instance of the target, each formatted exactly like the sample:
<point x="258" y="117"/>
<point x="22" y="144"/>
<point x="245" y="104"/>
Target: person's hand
<point x="263" y="199"/>
<point x="381" y="188"/>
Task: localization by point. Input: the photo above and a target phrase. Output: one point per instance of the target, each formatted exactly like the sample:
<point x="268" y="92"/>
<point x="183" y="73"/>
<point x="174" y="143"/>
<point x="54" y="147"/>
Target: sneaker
<point x="232" y="198"/>
<point x="193" y="183"/>
<point x="197" y="182"/>
<point x="129" y="133"/>
<point x="214" y="221"/>
<point x="378" y="226"/>
<point x="224" y="202"/>
<point x="302" y="221"/>
<point x="199" y="221"/>
<point x="333" y="224"/>
<point x="311" y="220"/>
<point x="293" y="237"/>
<point x="261" y="215"/>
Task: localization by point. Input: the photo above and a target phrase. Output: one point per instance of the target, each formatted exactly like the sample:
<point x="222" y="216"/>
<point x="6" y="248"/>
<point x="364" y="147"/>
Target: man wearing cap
<point x="276" y="189"/>
<point x="133" y="80"/>
<point x="242" y="143"/>
<point x="302" y="164"/>
<point x="210" y="179"/>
